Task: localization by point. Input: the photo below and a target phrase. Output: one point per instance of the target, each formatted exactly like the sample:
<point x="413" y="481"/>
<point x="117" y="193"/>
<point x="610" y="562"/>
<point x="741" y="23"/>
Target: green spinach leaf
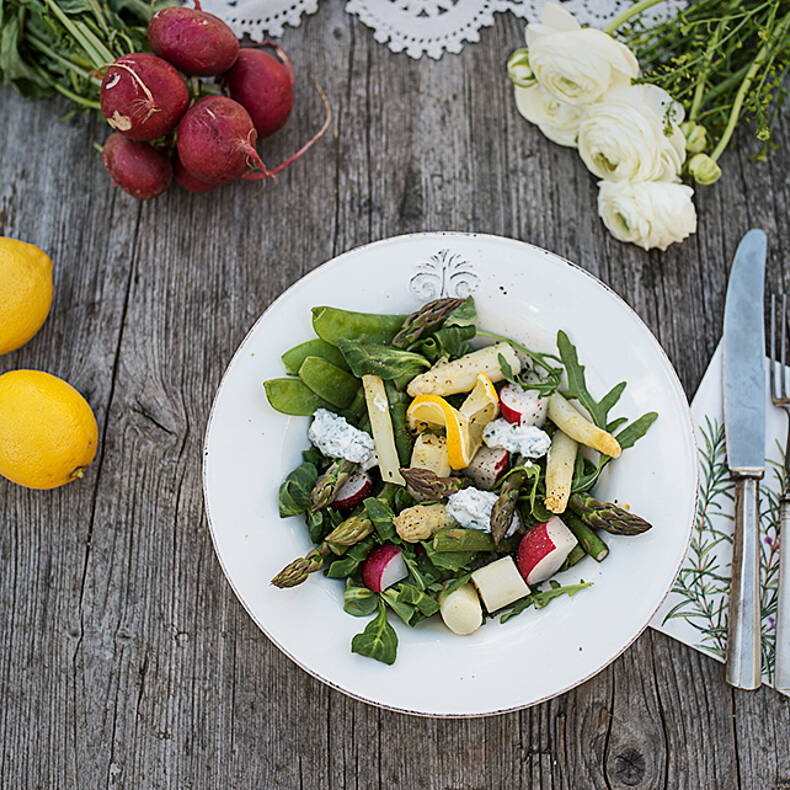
<point x="359" y="601"/>
<point x="349" y="563"/>
<point x="387" y="362"/>
<point x="378" y="640"/>
<point x="464" y="315"/>
<point x="294" y="494"/>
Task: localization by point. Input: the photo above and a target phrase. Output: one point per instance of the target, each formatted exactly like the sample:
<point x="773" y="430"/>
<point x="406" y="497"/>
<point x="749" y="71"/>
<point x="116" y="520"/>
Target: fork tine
<point x="772" y="366"/>
<point x="783" y="369"/>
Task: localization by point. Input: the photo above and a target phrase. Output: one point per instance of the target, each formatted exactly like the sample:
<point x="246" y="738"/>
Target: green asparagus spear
<point x="607" y="516"/>
<point x="429" y="315"/>
<point x="426" y="483"/>
<point x="345" y="534"/>
<point x="397" y="404"/>
<point x="505" y="506"/>
<point x="588" y="539"/>
<point x="577" y="554"/>
<point x="459" y="539"/>
<point x="325" y="490"/>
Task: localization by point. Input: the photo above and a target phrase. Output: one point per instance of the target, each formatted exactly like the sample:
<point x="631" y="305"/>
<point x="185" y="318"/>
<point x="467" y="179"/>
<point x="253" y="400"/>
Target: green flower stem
<point x="623" y="17"/>
<point x="757" y="63"/>
<point x="710" y="52"/>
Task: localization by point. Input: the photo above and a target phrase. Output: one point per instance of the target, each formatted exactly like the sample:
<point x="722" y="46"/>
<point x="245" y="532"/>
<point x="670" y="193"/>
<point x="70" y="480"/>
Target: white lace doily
<point x="417" y="27"/>
<point x="260" y="19"/>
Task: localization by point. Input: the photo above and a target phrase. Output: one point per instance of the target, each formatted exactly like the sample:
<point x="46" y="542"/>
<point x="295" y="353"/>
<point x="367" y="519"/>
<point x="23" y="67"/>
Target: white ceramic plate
<point x="523" y="292"/>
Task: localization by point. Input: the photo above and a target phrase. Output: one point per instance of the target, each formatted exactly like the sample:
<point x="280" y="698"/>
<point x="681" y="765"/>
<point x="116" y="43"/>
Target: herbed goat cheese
<point x="336" y="438"/>
<point x="471" y="508"/>
<point x="528" y="440"/>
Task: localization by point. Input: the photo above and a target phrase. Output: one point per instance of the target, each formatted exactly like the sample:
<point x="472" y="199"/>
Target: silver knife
<point x="744" y="424"/>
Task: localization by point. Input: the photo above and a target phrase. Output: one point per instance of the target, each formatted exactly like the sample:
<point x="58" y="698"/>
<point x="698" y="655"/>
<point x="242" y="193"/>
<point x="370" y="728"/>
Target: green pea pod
<point x="328" y="381"/>
<point x="291" y="396"/>
<point x="293" y="358"/>
<point x="332" y="323"/>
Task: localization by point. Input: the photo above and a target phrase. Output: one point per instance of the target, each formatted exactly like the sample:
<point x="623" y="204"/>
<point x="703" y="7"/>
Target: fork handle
<point x="743" y="630"/>
<point x="782" y="666"/>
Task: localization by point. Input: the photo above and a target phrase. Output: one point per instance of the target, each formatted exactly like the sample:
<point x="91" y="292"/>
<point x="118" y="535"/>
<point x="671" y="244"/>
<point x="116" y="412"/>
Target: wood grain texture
<point x="126" y="660"/>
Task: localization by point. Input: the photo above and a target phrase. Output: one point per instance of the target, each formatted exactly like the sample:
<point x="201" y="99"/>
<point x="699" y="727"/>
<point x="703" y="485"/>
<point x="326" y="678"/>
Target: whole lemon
<point x="48" y="434"/>
<point x="25" y="292"/>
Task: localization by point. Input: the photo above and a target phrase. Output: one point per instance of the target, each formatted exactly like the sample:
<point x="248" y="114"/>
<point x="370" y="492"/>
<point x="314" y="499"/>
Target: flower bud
<point x="696" y="137"/>
<point x="518" y="68"/>
<point x="703" y="169"/>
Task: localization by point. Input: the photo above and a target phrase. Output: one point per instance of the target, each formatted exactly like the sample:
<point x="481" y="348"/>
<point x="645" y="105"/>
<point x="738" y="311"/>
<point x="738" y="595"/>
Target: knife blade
<point x="744" y="425"/>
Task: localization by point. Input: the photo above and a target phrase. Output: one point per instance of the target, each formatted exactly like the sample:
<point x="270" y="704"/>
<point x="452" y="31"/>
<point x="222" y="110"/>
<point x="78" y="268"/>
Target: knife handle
<point x="744" y="645"/>
<point x="782" y="668"/>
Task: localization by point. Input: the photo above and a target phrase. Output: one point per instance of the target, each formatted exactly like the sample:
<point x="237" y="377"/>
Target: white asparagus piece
<point x="461" y="610"/>
<point x="430" y="452"/>
<point x="421" y="522"/>
<point x="571" y="422"/>
<point x="499" y="583"/>
<point x="381" y="429"/>
<point x="559" y="471"/>
<point x="460" y="375"/>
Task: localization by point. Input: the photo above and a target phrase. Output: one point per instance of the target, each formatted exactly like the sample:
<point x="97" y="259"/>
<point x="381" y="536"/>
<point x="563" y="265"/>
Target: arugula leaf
<point x="545" y="384"/>
<point x="387" y="362"/>
<point x="464" y="315"/>
<point x="381" y="514"/>
<point x="453" y="585"/>
<point x="378" y="640"/>
<point x="507" y="371"/>
<point x="542" y="598"/>
<point x="359" y="601"/>
<point x="629" y="436"/>
<point x="577" y="385"/>
<point x="294" y="494"/>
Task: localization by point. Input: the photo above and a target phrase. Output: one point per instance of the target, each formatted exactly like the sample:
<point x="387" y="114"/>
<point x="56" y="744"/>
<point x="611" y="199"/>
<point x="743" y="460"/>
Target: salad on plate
<point x="449" y="469"/>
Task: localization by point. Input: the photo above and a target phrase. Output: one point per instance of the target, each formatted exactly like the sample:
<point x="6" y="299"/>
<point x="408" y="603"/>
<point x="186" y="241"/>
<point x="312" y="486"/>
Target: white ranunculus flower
<point x="557" y="120"/>
<point x="649" y="214"/>
<point x="623" y="137"/>
<point x="576" y="65"/>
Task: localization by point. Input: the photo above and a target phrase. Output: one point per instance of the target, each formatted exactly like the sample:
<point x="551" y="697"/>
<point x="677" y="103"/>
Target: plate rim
<point x="335" y="260"/>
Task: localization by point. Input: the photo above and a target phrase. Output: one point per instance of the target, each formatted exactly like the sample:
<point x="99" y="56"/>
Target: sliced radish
<point x="383" y="567"/>
<point x="353" y="491"/>
<point x="543" y="549"/>
<point x="523" y="407"/>
<point x="488" y="465"/>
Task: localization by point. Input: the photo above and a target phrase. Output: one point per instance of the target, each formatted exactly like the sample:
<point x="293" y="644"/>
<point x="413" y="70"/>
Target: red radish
<point x="192" y="40"/>
<point x="264" y="86"/>
<point x="187" y="181"/>
<point x="543" y="549"/>
<point x="488" y="465"/>
<point x="383" y="567"/>
<point x="523" y="407"/>
<point x="136" y="168"/>
<point x="143" y="96"/>
<point x="353" y="491"/>
<point x="216" y="141"/>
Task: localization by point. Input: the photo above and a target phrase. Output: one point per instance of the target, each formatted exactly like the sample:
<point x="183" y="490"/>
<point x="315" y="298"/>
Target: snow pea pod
<point x="328" y="381"/>
<point x="293" y="358"/>
<point x="291" y="396"/>
<point x="332" y="323"/>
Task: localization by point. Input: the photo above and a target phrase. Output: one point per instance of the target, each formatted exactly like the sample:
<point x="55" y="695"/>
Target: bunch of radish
<point x="158" y="136"/>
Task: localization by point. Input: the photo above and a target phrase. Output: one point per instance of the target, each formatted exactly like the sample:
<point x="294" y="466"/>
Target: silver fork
<point x="780" y="397"/>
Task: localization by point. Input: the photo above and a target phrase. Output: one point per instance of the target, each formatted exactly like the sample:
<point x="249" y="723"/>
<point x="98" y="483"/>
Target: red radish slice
<point x="543" y="549"/>
<point x="383" y="568"/>
<point x="353" y="491"/>
<point x="488" y="465"/>
<point x="523" y="407"/>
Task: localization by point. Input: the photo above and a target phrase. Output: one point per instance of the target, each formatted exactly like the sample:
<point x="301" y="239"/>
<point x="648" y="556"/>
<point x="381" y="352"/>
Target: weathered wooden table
<point x="126" y="660"/>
